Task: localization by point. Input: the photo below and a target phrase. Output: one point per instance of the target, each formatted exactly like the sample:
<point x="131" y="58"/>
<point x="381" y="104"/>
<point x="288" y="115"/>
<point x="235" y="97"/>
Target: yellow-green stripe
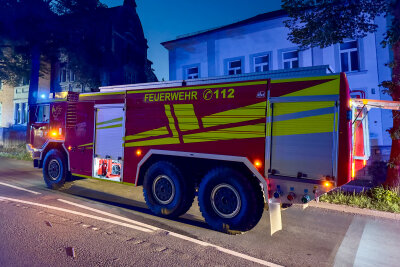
<point x="111" y="126"/>
<point x="109" y="121"/>
<point x="89" y="144"/>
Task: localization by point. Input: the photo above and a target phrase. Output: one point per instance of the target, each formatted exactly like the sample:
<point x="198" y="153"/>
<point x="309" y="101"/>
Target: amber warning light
<point x="257" y="163"/>
<point x="138" y="152"/>
<point x="55" y="134"/>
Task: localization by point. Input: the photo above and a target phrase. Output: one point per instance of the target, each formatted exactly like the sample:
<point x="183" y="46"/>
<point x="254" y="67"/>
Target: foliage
<point x="17" y="39"/>
<point x="17" y="152"/>
<point x="63" y="7"/>
<point x="14" y="65"/>
<point x="377" y="198"/>
<point x="326" y="22"/>
<point x="384" y="195"/>
<point x="51" y="28"/>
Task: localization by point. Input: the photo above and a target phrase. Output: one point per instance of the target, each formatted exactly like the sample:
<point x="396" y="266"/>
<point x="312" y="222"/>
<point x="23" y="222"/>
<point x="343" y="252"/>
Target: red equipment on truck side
<point x="239" y="142"/>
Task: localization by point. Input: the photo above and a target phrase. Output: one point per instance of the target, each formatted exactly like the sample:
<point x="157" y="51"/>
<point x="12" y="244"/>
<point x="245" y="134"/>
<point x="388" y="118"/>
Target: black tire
<point x="165" y="190"/>
<point x="229" y="202"/>
<point x="55" y="171"/>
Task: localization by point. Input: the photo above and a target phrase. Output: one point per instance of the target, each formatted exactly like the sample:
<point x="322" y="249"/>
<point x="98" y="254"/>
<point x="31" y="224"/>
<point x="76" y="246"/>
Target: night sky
<point x="164" y="20"/>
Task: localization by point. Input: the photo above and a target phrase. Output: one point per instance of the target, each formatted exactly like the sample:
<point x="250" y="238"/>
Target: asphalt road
<point x="96" y="223"/>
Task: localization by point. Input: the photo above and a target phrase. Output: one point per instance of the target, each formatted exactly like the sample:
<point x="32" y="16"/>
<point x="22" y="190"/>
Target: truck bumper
<point x="36" y="154"/>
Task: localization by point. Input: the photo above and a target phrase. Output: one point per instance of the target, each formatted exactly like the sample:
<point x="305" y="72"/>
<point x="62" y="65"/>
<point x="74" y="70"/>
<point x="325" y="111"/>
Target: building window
<point x="234" y="67"/>
<point x="23" y="113"/>
<point x="66" y="75"/>
<point x="261" y="63"/>
<point x="349" y="56"/>
<point x="192" y="73"/>
<point x="24" y="81"/>
<point x="129" y="77"/>
<point x="17" y="114"/>
<point x="20" y="113"/>
<point x="290" y="59"/>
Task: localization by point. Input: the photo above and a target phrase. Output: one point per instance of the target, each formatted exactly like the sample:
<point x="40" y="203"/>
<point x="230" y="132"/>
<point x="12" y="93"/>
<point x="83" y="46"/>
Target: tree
<point x="36" y="31"/>
<point x="24" y="30"/>
<point x="322" y="23"/>
<point x="83" y="34"/>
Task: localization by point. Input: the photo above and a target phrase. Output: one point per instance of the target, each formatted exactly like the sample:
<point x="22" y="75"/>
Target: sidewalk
<point x="354" y="210"/>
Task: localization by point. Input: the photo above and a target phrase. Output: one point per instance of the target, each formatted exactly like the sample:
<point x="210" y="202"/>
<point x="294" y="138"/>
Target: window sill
<point x="358" y="72"/>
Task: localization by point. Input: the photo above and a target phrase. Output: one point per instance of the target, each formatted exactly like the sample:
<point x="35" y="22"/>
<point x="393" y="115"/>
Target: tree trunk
<point x="33" y="84"/>
<point x="34" y="79"/>
<point x="393" y="175"/>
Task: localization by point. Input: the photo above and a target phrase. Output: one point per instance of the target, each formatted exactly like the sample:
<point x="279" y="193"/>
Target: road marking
<point x="372" y="252"/>
<point x="199" y="242"/>
<point x="78" y="213"/>
<point x="346" y="253"/>
<point x="110" y="215"/>
<point x="196" y="241"/>
<point x="20" y="188"/>
<point x="227" y="251"/>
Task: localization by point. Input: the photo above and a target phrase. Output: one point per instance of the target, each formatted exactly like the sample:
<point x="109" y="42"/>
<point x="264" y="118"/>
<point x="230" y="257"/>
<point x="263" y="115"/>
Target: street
<point x="97" y="223"/>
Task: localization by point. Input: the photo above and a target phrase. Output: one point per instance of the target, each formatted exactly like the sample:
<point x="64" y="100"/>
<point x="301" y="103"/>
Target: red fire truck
<point x="238" y="141"/>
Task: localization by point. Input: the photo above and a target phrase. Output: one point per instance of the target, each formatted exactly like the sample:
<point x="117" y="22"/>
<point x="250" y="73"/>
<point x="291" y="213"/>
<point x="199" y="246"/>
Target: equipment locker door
<point x="79" y="133"/>
<point x="304" y="139"/>
<point x="109" y="135"/>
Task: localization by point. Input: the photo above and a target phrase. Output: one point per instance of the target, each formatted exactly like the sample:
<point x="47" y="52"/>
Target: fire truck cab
<point x="282" y="137"/>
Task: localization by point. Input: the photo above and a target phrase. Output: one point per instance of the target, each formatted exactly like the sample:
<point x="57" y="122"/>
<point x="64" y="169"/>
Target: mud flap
<point x="275" y="216"/>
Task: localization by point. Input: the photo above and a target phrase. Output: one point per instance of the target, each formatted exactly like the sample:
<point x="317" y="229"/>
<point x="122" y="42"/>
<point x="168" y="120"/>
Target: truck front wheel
<point x="55" y="169"/>
<point x="166" y="192"/>
<point x="229" y="202"/>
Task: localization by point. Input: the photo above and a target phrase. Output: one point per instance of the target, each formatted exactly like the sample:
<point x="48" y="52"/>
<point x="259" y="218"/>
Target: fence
<point x="13" y="136"/>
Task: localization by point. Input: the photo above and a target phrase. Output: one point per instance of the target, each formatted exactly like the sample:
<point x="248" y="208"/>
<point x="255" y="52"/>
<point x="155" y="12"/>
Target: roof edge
<point x="261" y="17"/>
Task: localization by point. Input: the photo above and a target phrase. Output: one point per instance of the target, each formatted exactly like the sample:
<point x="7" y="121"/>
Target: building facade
<point x="260" y="44"/>
<point x="6" y="105"/>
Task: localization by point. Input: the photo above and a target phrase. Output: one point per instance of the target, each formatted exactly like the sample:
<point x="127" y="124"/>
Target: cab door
<point x="39" y="116"/>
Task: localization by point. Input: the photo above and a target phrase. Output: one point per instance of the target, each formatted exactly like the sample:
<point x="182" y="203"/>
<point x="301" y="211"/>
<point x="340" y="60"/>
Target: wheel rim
<point x="225" y="200"/>
<point x="54" y="169"/>
<point x="163" y="189"/>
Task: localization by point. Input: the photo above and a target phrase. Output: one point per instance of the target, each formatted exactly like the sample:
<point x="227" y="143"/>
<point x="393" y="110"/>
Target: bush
<point x="377" y="198"/>
<point x="17" y="152"/>
<point x="385" y="195"/>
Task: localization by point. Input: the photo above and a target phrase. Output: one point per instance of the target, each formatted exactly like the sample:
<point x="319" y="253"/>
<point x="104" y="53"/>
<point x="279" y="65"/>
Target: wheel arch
<point x="197" y="165"/>
<point x="54" y="144"/>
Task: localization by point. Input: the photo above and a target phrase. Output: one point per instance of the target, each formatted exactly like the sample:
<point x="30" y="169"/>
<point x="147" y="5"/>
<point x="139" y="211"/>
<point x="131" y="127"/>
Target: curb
<point x="354" y="210"/>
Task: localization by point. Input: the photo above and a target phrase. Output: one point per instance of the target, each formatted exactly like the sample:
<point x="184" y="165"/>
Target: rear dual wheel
<point x="165" y="190"/>
<point x="229" y="201"/>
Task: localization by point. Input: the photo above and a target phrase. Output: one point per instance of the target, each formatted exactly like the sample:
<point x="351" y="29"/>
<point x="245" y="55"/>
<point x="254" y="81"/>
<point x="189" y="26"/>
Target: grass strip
<point x="17" y="152"/>
<point x="378" y="198"/>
